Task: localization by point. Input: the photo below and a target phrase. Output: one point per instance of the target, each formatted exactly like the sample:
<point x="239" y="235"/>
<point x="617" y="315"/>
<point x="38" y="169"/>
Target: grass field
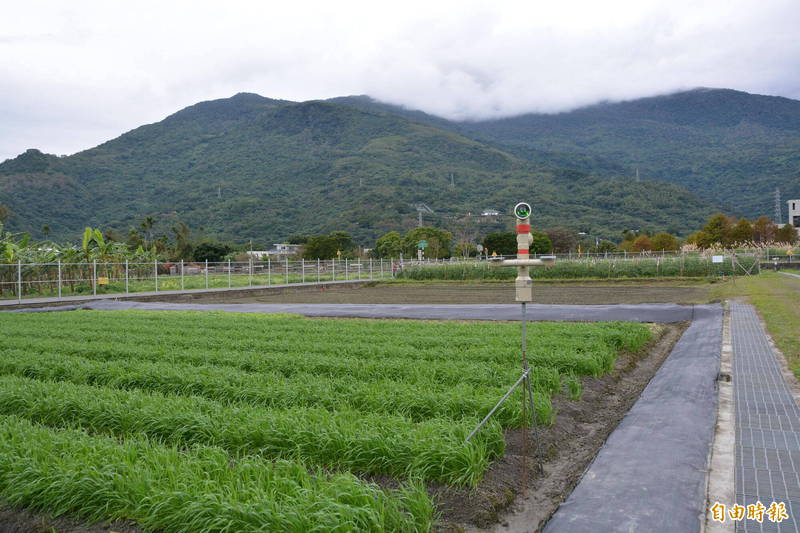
<point x="777" y="298"/>
<point x="586" y="269"/>
<point x="190" y="421"/>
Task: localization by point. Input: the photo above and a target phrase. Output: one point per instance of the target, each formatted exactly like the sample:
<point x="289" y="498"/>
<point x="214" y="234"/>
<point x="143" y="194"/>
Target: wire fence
<point x="60" y="280"/>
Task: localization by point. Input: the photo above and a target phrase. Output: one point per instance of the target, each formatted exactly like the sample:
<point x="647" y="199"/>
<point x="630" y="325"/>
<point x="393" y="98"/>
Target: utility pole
<point x="778" y="207"/>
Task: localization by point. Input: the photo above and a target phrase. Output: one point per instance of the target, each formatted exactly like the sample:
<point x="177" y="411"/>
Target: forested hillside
<point x="249" y="167"/>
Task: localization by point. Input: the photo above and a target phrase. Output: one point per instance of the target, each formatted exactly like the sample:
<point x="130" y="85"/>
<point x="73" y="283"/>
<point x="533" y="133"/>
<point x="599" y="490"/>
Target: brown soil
<point x="17" y="520"/>
<point x="499" y="503"/>
<point x="487" y="293"/>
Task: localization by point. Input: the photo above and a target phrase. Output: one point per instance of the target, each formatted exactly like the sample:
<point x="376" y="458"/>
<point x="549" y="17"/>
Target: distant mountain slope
<point x="729" y="147"/>
<point x="249" y="167"/>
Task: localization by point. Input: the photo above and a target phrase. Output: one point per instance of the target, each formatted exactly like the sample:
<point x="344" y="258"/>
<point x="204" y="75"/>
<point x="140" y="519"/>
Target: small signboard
<point x="102" y="281"/>
<point x="422" y="244"/>
<point x="717" y="258"/>
<point x="480" y="248"/>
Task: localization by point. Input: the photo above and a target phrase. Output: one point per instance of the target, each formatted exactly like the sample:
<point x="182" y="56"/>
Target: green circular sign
<point x="522" y="210"/>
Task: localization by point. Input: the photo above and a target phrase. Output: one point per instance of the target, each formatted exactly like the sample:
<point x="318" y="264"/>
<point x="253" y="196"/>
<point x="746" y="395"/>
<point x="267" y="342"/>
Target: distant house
<point x="277" y="250"/>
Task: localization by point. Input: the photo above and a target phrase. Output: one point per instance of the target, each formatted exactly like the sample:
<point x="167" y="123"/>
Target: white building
<point x="794" y="213"/>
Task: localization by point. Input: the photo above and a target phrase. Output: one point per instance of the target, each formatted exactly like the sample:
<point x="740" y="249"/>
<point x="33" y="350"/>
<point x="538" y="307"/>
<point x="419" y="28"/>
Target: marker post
<point x="524" y="293"/>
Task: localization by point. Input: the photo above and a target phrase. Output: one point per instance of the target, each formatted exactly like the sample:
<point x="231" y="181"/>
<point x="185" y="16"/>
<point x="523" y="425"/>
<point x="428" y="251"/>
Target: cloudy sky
<point x="74" y="74"/>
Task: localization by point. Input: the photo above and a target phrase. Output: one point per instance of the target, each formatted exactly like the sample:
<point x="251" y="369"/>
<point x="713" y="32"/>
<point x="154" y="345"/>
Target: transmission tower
<point x="422" y="208"/>
<point x="778" y="208"/>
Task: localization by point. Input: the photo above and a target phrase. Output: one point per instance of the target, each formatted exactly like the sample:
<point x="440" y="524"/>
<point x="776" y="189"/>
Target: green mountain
<point x="729" y="147"/>
<point x="249" y="167"/>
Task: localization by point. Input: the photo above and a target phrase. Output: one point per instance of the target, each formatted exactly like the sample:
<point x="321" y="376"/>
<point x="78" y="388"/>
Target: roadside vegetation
<point x="252" y="413"/>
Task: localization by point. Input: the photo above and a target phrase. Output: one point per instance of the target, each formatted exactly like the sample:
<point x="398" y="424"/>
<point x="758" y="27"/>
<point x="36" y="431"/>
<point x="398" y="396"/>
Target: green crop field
<point x="205" y="422"/>
<point x="592" y="268"/>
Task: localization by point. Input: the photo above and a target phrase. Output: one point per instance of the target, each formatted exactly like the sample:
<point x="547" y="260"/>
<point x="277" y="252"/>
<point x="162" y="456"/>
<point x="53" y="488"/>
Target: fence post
<point x="126" y="276"/>
<point x="345" y="269"/>
<point x="269" y="271"/>
<point x="333" y="269"/>
<point x="359" y="269"/>
<point x="19" y="280"/>
<point x="302" y="270"/>
<point x="381" y="267"/>
<point x="94" y="276"/>
<point x="318" y="276"/>
<point x="370" y="268"/>
<point x="59" y="279"/>
<point x="286" y="269"/>
<point x="155" y="272"/>
<point x="229" y="273"/>
<point x="250" y="272"/>
<point x="181" y="274"/>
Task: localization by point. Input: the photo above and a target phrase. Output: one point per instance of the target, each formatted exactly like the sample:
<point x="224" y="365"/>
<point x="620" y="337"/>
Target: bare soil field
<point x="478" y="293"/>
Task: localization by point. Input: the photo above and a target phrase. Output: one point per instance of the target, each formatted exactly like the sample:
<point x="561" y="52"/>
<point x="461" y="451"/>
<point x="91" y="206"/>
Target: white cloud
<point x="73" y="75"/>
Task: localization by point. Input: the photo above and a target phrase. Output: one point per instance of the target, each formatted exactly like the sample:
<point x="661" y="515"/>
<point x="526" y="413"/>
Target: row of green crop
<point x="198" y="489"/>
<point x="433" y="449"/>
<point x="691" y="266"/>
<point x="416" y="402"/>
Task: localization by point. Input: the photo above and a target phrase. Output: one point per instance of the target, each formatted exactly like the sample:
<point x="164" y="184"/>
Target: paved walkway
<point x="767" y="425"/>
<point x="788" y="274"/>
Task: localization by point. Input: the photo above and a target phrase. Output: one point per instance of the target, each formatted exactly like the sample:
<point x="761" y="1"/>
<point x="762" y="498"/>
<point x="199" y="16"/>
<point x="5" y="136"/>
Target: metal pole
<point x="181" y="274"/>
<point x="381" y="267"/>
<point x="19" y="280"/>
<point x="250" y="272"/>
<point x="318" y="278"/>
<point x="302" y="270"/>
<point x="528" y="386"/>
<point x="333" y="269"/>
<point x="345" y="269"/>
<point x="269" y="271"/>
<point x="206" y="273"/>
<point x="359" y="269"/>
<point x="59" y="279"/>
<point x="286" y="269"/>
<point x="94" y="276"/>
<point x="504" y="398"/>
<point x="229" y="273"/>
<point x="370" y="268"/>
<point x="126" y="276"/>
<point x="155" y="271"/>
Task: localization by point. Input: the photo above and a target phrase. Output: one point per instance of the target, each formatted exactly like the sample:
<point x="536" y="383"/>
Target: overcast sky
<point x="75" y="74"/>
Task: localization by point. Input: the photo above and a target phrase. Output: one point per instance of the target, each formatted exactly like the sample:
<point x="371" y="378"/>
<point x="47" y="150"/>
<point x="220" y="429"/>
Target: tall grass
<point x="199" y="489"/>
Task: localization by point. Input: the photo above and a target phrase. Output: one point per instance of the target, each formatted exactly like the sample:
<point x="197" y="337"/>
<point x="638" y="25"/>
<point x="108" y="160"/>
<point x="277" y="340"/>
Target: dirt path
<point x="487" y="293"/>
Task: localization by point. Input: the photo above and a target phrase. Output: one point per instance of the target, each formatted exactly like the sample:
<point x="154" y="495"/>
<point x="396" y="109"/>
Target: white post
<point x="126" y="276"/>
<point x="381" y="267"/>
<point x="94" y="276"/>
<point x="318" y="278"/>
<point x="269" y="271"/>
<point x="302" y="270"/>
<point x="359" y="269"/>
<point x="59" y="279"/>
<point x="155" y="272"/>
<point x="333" y="269"/>
<point x="229" y="273"/>
<point x="250" y="272"/>
<point x="19" y="280"/>
<point x="206" y="273"/>
<point x="345" y="269"/>
<point x="287" y="270"/>
<point x="181" y="274"/>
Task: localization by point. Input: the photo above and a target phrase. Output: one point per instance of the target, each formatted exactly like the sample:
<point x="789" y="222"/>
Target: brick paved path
<point x="767" y="425"/>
